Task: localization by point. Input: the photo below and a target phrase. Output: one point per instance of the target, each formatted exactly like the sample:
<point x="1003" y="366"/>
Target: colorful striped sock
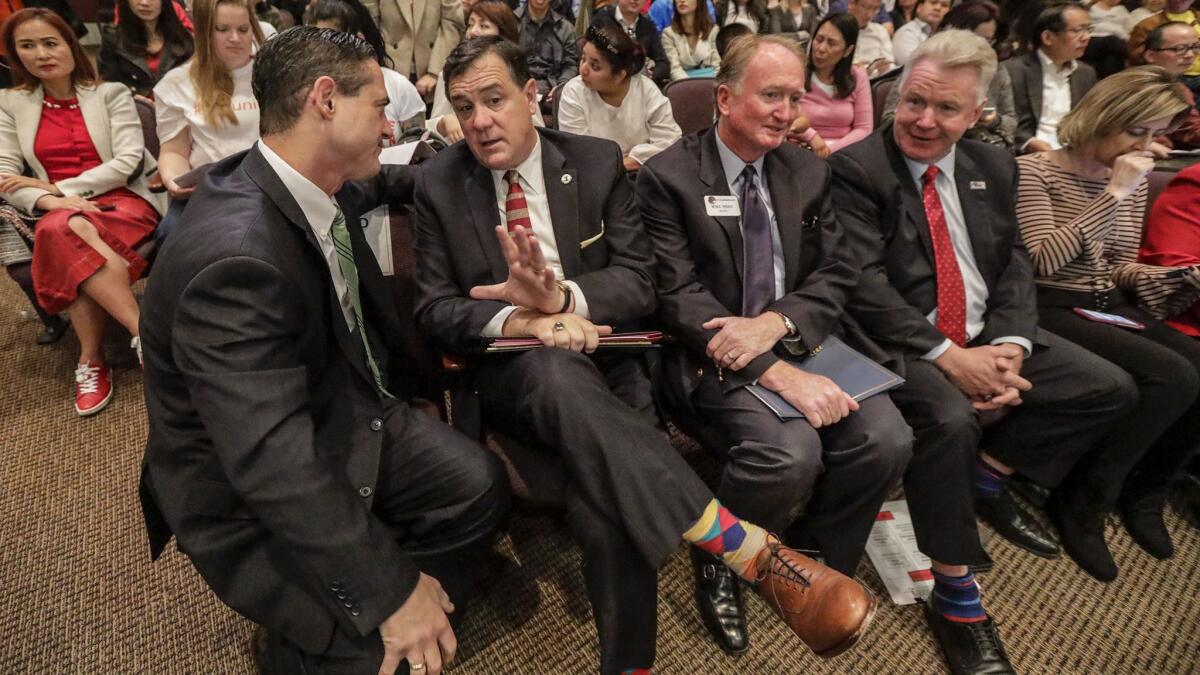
<point x="957" y="598"/>
<point x="737" y="542"/>
<point x="636" y="671"/>
<point x="988" y="481"/>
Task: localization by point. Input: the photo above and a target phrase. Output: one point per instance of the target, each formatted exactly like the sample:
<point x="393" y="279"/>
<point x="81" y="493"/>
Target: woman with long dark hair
<point x="148" y="41"/>
<point x="751" y="13"/>
<point x="691" y="40"/>
<point x="837" y="104"/>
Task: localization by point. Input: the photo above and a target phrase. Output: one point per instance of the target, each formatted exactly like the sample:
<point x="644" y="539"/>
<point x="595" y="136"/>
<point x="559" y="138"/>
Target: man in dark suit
<point x="947" y="297"/>
<point x="627" y="15"/>
<point x="744" y="283"/>
<point x="1049" y="80"/>
<point x="546" y="242"/>
<point x="307" y="493"/>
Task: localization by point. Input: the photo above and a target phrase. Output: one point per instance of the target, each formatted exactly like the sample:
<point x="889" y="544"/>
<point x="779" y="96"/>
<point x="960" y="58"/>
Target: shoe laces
<point x="87" y="378"/>
<point x="136" y="344"/>
<point x="985" y="636"/>
<point x="788" y="571"/>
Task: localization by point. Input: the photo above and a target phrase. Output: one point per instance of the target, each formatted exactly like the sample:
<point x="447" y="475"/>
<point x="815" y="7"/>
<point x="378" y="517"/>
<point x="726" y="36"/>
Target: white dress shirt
<point x="1056" y="98"/>
<point x="873" y="43"/>
<point x="907" y="38"/>
<point x="533" y="183"/>
<point x="973" y="283"/>
<point x="319" y="208"/>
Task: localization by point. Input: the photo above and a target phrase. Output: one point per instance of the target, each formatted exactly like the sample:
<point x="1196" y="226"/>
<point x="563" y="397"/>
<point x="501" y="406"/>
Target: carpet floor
<point x="80" y="594"/>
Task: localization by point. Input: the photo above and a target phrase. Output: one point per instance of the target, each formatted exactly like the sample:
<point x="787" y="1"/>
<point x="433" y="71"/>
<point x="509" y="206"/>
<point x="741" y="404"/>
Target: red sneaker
<point x="93" y="388"/>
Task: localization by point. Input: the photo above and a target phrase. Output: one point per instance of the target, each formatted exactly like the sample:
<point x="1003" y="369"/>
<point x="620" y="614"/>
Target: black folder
<point x="856" y="374"/>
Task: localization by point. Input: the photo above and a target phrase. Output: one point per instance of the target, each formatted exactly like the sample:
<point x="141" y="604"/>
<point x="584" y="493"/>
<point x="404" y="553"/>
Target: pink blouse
<point x="840" y="121"/>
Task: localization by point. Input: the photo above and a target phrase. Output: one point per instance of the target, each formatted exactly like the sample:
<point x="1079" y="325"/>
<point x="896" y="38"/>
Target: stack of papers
<point x="892" y="547"/>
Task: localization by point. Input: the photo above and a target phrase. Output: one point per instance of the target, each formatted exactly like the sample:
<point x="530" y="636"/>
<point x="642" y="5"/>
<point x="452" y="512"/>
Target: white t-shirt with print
<point x="176" y="107"/>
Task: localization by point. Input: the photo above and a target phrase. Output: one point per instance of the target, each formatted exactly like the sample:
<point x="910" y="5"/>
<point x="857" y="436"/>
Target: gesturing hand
<point x="740" y="340"/>
<point x="822" y="402"/>
<point x="530" y="281"/>
<point x="565" y="331"/>
<point x="419" y="631"/>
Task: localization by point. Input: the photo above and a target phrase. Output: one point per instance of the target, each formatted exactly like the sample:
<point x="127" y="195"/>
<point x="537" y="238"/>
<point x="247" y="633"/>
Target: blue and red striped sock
<point x="957" y="598"/>
<point x="636" y="671"/>
<point x="988" y="480"/>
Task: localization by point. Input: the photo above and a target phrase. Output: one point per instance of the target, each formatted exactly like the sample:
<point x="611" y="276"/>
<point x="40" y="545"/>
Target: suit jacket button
<point x="364" y="491"/>
<point x="699" y="372"/>
<point x="355" y="610"/>
<point x="376" y="424"/>
<point x="335" y="586"/>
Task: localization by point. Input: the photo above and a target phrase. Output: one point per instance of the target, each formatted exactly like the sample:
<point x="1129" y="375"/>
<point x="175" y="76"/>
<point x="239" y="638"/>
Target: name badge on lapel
<point x="722" y="205"/>
<point x="978" y="185"/>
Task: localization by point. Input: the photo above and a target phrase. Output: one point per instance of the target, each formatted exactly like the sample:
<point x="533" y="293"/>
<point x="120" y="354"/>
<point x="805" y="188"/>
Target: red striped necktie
<point x="516" y="210"/>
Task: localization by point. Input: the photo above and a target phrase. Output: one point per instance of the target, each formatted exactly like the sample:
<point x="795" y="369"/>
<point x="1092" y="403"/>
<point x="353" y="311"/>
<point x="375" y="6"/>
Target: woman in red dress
<point x="83" y="142"/>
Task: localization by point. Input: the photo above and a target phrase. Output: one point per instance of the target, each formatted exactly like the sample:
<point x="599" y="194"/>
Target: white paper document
<point x="892" y="547"/>
<point x="398" y="154"/>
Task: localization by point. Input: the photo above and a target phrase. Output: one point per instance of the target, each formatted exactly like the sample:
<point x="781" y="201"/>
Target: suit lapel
<point x="910" y="199"/>
<point x="1033" y="84"/>
<point x="785" y="201"/>
<point x="407" y="10"/>
<point x="1077" y="86"/>
<point x="974" y="211"/>
<point x="563" y="199"/>
<point x="92" y="107"/>
<point x="485" y="215"/>
<point x="712" y="174"/>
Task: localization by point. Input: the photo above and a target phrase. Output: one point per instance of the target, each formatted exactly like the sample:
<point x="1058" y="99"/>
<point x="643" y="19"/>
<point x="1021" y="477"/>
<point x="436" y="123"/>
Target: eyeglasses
<point x="1078" y="31"/>
<point x="1177" y="50"/>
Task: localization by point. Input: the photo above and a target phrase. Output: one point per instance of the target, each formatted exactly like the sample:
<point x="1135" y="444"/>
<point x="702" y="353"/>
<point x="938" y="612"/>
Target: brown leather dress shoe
<point x="826" y="609"/>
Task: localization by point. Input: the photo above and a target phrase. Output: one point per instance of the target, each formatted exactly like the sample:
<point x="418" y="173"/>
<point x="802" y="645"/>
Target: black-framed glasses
<point x="1177" y="50"/>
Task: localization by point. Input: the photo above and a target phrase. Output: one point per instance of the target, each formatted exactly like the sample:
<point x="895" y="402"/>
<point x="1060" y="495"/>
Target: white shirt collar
<point x="1048" y="65"/>
<point x="530" y="170"/>
<point x="734" y="165"/>
<point x="945" y="165"/>
<point x="318" y="207"/>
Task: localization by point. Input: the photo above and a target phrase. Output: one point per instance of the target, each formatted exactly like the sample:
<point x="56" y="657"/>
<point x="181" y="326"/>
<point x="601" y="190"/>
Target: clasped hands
<point x="989" y="375"/>
<point x="533" y="289"/>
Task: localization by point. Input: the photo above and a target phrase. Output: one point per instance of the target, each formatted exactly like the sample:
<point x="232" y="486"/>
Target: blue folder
<point x="856" y="374"/>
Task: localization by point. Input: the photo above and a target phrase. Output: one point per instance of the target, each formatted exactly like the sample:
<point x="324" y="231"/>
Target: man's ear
<point x="531" y="97"/>
<point x="723" y="95"/>
<point x="978" y="112"/>
<point x="323" y="93"/>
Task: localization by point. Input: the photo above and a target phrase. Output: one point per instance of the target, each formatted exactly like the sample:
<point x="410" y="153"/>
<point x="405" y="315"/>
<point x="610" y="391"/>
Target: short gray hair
<point x="957" y="49"/>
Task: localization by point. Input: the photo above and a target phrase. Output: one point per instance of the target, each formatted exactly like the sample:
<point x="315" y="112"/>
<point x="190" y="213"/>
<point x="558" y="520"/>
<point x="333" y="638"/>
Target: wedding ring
<point x="558" y="325"/>
<point x="416" y="666"/>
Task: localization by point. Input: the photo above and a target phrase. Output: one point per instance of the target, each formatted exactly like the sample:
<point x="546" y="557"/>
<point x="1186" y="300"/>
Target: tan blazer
<point x="112" y="122"/>
<point x="438" y="26"/>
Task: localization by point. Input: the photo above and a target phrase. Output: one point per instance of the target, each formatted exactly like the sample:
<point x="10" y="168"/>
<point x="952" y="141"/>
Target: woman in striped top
<point x="1080" y="210"/>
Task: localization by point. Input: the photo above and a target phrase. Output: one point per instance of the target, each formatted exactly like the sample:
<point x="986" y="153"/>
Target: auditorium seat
<point x="693" y="103"/>
<point x="880" y="89"/>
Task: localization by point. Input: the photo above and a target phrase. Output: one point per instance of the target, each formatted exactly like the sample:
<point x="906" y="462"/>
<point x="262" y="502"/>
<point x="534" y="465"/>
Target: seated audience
<point x="1146" y="9"/>
<point x="947" y="299"/>
<point x="418" y="51"/>
<point x="206" y="109"/>
<point x="1172" y="239"/>
<point x="547" y="243"/>
<point x="882" y="16"/>
<point x="753" y="319"/>
<point x="283" y="453"/>
<point x="793" y="18"/>
<point x="1173" y="46"/>
<point x="611" y="99"/>
<point x="405" y="108"/>
<point x="873" y="49"/>
<point x="626" y="15"/>
<point x="83" y="142"/>
<point x="1175" y="10"/>
<point x="549" y="40"/>
<point x="1108" y="48"/>
<point x="1050" y="80"/>
<point x="837" y="103"/>
<point x="910" y="36"/>
<point x="486" y="18"/>
<point x="1081" y="209"/>
<point x="998" y="122"/>
<point x="138" y="51"/>
<point x="902" y="13"/>
<point x="750" y="13"/>
<point x="690" y="42"/>
<point x="662" y="11"/>
<point x="727" y="35"/>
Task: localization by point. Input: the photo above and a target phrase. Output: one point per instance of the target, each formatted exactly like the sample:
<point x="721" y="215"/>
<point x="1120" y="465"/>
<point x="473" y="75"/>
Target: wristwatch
<point x="792" y="332"/>
<point x="567" y="295"/>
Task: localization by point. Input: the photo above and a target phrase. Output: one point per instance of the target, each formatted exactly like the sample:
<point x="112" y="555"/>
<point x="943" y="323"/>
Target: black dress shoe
<point x="1185" y="497"/>
<point x="1030" y="491"/>
<point x="1143" y="517"/>
<point x="1080" y="523"/>
<point x="719" y="597"/>
<point x="52" y="331"/>
<point x="969" y="648"/>
<point x="1011" y="522"/>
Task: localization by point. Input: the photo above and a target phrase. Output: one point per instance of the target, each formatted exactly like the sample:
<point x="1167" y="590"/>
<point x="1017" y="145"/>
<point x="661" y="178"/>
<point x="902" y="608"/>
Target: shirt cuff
<point x="937" y="351"/>
<point x="495" y="327"/>
<point x="581" y="306"/>
<point x="1016" y="340"/>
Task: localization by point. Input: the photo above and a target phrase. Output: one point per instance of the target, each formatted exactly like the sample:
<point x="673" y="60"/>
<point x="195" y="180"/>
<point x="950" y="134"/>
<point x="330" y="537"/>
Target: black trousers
<point x="1076" y="397"/>
<point x="444" y="496"/>
<point x="1152" y="444"/>
<point x="824" y="484"/>
<point x="630" y="495"/>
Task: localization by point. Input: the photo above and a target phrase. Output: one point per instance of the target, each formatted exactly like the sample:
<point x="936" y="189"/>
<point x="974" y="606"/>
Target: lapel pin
<point x="978" y="185"/>
<point x="566" y="179"/>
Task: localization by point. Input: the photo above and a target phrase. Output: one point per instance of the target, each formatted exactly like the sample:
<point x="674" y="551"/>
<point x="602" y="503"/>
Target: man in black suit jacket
<point x="1057" y="39"/>
<point x="546" y="242"/>
<point x="947" y="297"/>
<point x="836" y="466"/>
<point x="307" y="493"/>
<point x="626" y="15"/>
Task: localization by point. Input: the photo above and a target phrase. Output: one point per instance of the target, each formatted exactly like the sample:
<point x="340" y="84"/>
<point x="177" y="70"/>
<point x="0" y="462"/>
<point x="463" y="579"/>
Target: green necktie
<point x="345" y="258"/>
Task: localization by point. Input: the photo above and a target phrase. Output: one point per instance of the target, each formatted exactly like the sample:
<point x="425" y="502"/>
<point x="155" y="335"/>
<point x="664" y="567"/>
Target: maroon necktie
<point x="516" y="210"/>
<point x="951" y="294"/>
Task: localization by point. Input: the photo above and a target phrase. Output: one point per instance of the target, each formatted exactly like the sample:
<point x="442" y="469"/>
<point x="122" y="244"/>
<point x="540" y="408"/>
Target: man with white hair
<point x="947" y="299"/>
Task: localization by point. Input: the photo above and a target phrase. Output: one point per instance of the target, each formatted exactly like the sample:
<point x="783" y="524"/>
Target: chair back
<point x="145" y="113"/>
<point x="693" y="103"/>
<point x="1156" y="181"/>
<point x="879" y="96"/>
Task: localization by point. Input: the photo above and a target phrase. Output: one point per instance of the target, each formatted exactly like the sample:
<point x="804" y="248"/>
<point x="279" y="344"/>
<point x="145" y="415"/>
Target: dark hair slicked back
<point x="470" y="51"/>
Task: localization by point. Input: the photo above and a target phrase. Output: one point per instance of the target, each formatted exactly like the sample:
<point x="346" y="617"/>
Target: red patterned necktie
<point x="516" y="210"/>
<point x="951" y="294"/>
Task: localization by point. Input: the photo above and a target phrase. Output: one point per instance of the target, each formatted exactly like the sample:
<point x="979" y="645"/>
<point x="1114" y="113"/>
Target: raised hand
<point x="530" y="281"/>
<point x="1128" y="171"/>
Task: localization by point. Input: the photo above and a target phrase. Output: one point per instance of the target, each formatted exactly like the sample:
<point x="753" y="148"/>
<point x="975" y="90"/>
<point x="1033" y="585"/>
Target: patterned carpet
<point x="81" y="596"/>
